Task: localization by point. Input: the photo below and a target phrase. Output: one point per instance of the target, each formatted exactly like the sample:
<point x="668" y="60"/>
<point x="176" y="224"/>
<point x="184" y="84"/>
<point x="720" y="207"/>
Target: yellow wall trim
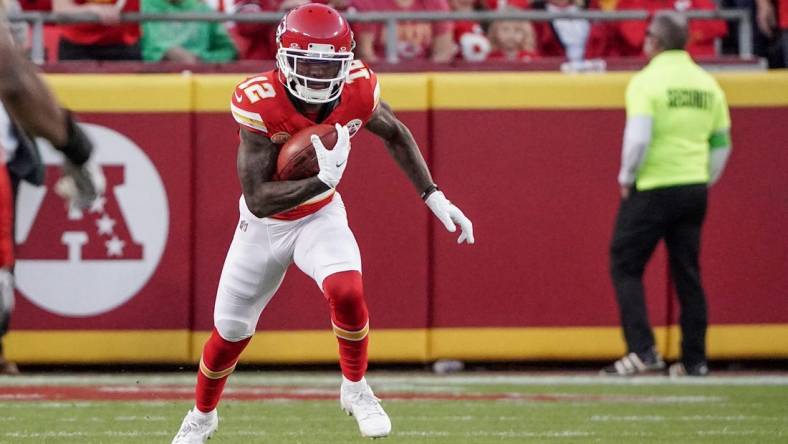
<point x="386" y="345"/>
<point x="118" y="93"/>
<point x="738" y="341"/>
<point x="320" y="346"/>
<point x="468" y="91"/>
<point x="97" y="347"/>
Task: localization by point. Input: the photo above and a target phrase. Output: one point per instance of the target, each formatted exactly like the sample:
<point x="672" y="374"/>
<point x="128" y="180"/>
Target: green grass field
<point x="499" y="407"/>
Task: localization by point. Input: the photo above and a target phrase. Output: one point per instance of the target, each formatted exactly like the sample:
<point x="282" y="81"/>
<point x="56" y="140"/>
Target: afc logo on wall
<point x="85" y="263"/>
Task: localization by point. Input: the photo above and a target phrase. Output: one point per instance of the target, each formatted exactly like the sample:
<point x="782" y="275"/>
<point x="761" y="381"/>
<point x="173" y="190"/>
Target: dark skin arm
<point x="256" y="168"/>
<point x="401" y="145"/>
<point x="25" y="96"/>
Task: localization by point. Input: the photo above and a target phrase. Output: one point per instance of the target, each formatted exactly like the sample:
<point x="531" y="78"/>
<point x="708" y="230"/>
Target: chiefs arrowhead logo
<point x="83" y="263"/>
<point x="353" y="126"/>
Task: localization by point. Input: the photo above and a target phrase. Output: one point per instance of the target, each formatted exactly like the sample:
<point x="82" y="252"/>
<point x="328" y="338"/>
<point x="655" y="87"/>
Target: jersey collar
<point x="670" y="57"/>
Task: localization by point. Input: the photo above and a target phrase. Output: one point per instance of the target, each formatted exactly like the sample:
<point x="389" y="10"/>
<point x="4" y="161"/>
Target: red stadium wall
<point x="531" y="158"/>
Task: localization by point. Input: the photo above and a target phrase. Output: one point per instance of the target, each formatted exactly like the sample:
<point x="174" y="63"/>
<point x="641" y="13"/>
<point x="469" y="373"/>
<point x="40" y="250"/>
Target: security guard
<point x="676" y="143"/>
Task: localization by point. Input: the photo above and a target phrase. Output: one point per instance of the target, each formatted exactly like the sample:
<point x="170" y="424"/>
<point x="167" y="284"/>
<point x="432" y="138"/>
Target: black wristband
<point x="78" y="146"/>
<point x="430" y="189"/>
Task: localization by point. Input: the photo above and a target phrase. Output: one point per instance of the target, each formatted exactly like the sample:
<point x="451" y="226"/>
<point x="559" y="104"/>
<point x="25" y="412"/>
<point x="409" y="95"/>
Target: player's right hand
<point x="80" y="185"/>
<point x="334" y="161"/>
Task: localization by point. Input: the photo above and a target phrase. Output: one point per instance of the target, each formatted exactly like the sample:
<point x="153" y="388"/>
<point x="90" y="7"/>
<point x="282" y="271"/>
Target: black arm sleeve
<point x="78" y="147"/>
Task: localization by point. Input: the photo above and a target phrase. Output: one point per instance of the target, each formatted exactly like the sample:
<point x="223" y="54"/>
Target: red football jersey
<point x="261" y="104"/>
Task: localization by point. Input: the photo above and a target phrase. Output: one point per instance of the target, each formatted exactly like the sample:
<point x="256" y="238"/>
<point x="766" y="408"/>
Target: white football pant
<point x="320" y="244"/>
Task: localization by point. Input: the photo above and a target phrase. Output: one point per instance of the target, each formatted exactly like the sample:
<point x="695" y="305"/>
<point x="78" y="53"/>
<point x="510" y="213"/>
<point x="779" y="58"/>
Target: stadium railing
<point x="389" y="19"/>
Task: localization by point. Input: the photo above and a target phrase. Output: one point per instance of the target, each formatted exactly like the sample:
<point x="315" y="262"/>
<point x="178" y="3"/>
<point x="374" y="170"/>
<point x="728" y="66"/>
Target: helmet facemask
<point x="316" y="74"/>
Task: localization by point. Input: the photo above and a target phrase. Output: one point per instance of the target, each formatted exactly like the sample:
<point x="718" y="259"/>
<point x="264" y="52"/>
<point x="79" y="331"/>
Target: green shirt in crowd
<point x="689" y="115"/>
<point x="208" y="41"/>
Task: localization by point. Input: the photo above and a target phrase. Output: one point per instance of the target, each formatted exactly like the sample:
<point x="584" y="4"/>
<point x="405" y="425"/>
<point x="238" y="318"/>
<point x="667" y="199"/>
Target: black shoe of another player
<point x="635" y="364"/>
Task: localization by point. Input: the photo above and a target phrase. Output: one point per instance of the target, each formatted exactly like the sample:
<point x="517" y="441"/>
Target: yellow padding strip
<point x="387" y="345"/>
<point x="351" y="335"/>
<point x="99" y="346"/>
<point x="124" y="93"/>
<point x="210" y="374"/>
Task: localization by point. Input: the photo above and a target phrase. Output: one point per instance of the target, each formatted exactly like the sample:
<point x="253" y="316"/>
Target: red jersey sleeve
<point x="366" y="89"/>
<point x="252" y="103"/>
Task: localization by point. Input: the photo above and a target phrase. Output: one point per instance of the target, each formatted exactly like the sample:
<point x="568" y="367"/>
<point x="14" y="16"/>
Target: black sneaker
<point x="634" y="364"/>
<point x="678" y="370"/>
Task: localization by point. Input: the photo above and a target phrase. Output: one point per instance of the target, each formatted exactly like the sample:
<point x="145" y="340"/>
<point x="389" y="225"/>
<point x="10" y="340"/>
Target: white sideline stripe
<point x="62" y="434"/>
<point x="657" y="418"/>
<point x="398" y="380"/>
<point x="512" y="434"/>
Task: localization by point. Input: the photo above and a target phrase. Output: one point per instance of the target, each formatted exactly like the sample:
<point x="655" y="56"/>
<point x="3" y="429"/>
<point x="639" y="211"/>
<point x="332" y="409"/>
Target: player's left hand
<point x="450" y="216"/>
<point x="80" y="185"/>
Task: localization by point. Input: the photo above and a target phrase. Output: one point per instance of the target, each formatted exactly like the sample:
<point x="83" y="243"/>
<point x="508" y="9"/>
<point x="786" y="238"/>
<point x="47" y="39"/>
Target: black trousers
<point x="676" y="215"/>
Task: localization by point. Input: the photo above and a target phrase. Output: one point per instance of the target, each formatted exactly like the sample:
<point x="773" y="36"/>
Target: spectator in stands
<point x="184" y="42"/>
<point x="415" y="40"/>
<point x="257" y="41"/>
<point x="774" y="26"/>
<point x="469" y="36"/>
<point x="702" y="33"/>
<point x="499" y="5"/>
<point x="513" y="40"/>
<point x="108" y="40"/>
<point x="563" y="37"/>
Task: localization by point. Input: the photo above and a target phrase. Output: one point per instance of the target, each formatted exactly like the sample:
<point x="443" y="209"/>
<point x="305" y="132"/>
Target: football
<point x="297" y="158"/>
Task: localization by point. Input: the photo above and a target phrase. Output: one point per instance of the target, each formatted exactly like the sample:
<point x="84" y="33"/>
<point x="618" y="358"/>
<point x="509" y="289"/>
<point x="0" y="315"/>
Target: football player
<point x="316" y="80"/>
<point x="25" y="99"/>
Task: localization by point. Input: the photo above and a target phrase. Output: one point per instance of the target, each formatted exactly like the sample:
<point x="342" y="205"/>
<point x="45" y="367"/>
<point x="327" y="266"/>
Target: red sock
<point x="218" y="360"/>
<point x="350" y="319"/>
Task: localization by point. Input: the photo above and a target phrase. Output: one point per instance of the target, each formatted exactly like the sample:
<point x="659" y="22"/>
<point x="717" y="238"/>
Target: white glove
<point x="332" y="162"/>
<point x="450" y="215"/>
<point x="80" y="186"/>
<point x="6" y="291"/>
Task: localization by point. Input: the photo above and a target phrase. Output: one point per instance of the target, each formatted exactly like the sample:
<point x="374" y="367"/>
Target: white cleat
<point x="197" y="427"/>
<point x="357" y="400"/>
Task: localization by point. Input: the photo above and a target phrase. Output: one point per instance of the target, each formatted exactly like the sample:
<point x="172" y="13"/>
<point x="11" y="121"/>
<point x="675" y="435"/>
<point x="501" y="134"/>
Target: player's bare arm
<point x="401" y="145"/>
<point x="31" y="104"/>
<point x="256" y="167"/>
<point x="25" y="96"/>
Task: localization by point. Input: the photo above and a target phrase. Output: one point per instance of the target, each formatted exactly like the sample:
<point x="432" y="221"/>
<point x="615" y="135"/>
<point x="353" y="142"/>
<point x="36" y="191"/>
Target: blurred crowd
<point x="442" y="42"/>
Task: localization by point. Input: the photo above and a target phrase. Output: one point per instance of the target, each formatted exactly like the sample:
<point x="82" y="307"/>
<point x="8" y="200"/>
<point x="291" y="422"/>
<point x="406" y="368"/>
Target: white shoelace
<point x="369" y="403"/>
